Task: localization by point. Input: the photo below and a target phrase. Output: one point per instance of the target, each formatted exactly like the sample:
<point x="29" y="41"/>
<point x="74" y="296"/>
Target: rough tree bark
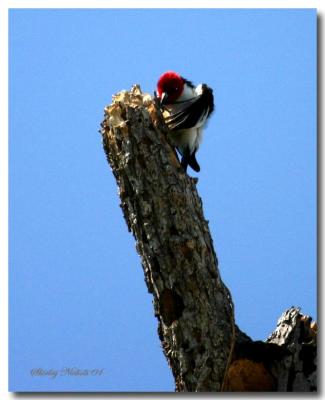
<point x="204" y="348"/>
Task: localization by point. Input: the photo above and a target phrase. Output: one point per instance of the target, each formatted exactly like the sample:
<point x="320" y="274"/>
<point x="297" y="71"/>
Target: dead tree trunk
<point x="164" y="212"/>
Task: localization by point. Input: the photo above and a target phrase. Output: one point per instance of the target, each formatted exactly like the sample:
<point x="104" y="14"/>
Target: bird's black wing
<point x="189" y="113"/>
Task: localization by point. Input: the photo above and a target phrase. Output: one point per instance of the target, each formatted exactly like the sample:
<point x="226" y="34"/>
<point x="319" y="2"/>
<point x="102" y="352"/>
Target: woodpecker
<point x="186" y="109"/>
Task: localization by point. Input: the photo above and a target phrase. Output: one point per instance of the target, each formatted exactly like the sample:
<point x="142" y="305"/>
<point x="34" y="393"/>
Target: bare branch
<point x="164" y="212"/>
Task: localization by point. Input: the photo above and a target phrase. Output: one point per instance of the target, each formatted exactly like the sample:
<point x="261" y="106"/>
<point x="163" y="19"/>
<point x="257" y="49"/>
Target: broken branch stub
<point x="163" y="210"/>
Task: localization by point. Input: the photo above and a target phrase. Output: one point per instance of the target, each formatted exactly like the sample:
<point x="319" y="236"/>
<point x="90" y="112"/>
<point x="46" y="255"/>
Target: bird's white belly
<point x="190" y="138"/>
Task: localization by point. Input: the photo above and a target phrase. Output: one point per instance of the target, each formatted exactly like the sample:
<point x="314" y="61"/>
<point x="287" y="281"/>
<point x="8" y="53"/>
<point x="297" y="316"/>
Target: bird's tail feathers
<point x="190" y="159"/>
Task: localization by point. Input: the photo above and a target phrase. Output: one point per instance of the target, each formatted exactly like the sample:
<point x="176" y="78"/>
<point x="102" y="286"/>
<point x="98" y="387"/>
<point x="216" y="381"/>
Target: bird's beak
<point x="164" y="99"/>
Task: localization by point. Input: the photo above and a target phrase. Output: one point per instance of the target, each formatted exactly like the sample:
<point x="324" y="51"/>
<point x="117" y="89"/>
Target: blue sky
<point x="77" y="293"/>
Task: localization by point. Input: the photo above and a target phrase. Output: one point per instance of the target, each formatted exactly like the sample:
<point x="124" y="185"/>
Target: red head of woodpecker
<point x="186" y="109"/>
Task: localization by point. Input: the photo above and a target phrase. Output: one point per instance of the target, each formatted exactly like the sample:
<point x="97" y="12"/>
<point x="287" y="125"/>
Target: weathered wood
<point x="297" y="370"/>
<point x="285" y="362"/>
<point x="164" y="212"/>
<point x="204" y="348"/>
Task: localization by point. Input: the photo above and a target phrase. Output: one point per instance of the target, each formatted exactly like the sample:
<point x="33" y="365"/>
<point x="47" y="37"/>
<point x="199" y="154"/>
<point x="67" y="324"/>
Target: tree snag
<point x="204" y="348"/>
